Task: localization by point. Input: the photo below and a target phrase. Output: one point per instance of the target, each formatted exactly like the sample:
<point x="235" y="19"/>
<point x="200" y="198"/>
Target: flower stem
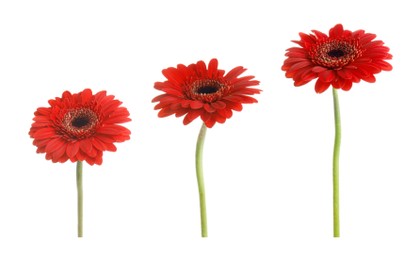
<point x="200" y="179"/>
<point x="79" y="182"/>
<point x="336" y="157"/>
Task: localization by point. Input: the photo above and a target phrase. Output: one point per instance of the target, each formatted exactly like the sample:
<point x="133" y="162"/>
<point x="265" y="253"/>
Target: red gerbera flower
<point x="79" y="127"/>
<point x="339" y="59"/>
<point x="197" y="91"/>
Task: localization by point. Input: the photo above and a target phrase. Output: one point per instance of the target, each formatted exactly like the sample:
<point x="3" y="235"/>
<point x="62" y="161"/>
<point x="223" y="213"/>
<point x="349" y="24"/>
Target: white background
<point x="267" y="169"/>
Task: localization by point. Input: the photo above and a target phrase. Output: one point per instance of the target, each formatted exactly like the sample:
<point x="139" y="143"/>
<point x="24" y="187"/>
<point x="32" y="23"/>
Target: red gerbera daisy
<point x="337" y="59"/>
<point x="197" y="91"/>
<point x="79" y="127"/>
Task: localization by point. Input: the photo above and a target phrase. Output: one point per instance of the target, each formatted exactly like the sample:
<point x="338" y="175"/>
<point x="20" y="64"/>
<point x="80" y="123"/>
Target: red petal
<point x="233" y="105"/>
<point x="245" y="79"/>
<point x="300" y="65"/>
<point x="99" y="145"/>
<point x="80" y="156"/>
<point x="40" y="143"/>
<point x="205" y="116"/>
<point x="169" y="88"/>
<point x="89" y="160"/>
<point x="193" y="114"/>
<point x="318" y="69"/>
<point x="383" y="65"/>
<point x="181" y="112"/>
<point x="72" y="149"/>
<point x="301" y="82"/>
<point x="196" y="104"/>
<point x="296" y="52"/>
<point x="347" y="85"/>
<point x="120" y="115"/>
<point x="338" y="83"/>
<point x="107" y="141"/>
<point x="241" y="99"/>
<point x="100" y="95"/>
<point x="369" y="78"/>
<point x="185" y="103"/>
<point x="54" y="144"/>
<point x="86" y="95"/>
<point x="98" y="158"/>
<point x="307" y="38"/>
<point x="45" y="111"/>
<point x="219" y="119"/>
<point x="234" y="73"/>
<point x="293" y="60"/>
<point x="225" y="112"/>
<point x="210" y="122"/>
<point x="113" y="130"/>
<point x="321" y="86"/>
<point x="165" y="112"/>
<point x="172" y="75"/>
<point x="44" y="133"/>
<point x="60" y="154"/>
<point x="209" y="108"/>
<point x="201" y="69"/>
<point x="121" y="138"/>
<point x="111" y="147"/>
<point x="245" y="91"/>
<point x="218" y="105"/>
<point x="366" y="38"/>
<point x="308" y="77"/>
<point x="212" y="70"/>
<point x="86" y="146"/>
<point x="319" y="34"/>
<point x="327" y="76"/>
<point x="336" y="31"/>
<point x="345" y="73"/>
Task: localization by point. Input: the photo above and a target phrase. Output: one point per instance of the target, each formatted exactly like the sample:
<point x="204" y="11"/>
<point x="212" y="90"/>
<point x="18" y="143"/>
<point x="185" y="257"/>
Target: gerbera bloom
<point x="337" y="59"/>
<point x="79" y="127"/>
<point x="199" y="91"/>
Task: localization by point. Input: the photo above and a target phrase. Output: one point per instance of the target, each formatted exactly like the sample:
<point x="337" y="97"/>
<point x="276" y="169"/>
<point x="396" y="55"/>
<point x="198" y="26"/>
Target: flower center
<point x="79" y="123"/>
<point x="206" y="90"/>
<point x="335" y="53"/>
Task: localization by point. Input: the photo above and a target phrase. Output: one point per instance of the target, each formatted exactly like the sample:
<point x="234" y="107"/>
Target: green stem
<point x="336" y="157"/>
<point x="200" y="179"/>
<point x="79" y="181"/>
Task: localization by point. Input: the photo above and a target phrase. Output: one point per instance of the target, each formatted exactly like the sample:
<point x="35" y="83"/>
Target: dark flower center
<point x="335" y="53"/>
<point x="206" y="90"/>
<point x="79" y="123"/>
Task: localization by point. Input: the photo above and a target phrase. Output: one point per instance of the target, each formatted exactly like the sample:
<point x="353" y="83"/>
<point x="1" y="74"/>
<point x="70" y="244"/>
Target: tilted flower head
<point x="337" y="59"/>
<point x="199" y="91"/>
<point x="79" y="127"/>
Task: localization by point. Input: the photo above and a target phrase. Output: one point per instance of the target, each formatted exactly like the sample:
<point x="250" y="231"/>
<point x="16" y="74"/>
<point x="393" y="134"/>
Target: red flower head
<point x="79" y="127"/>
<point x="197" y="91"/>
<point x="339" y="59"/>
